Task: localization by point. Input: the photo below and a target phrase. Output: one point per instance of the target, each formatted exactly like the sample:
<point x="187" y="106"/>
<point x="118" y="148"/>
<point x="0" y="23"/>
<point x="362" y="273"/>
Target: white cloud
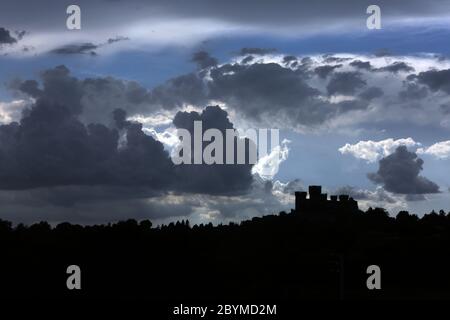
<point x="372" y="151"/>
<point x="168" y="137"/>
<point x="155" y="120"/>
<point x="440" y="150"/>
<point x="12" y="111"/>
<point x="267" y="167"/>
<point x="379" y="197"/>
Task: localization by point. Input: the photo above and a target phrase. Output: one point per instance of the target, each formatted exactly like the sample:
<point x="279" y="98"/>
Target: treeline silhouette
<point x="283" y="256"/>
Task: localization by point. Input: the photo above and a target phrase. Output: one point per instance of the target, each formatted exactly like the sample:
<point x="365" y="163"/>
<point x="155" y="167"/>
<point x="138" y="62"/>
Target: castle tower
<point x="300" y="200"/>
<point x="315" y="193"/>
<point x="318" y="202"/>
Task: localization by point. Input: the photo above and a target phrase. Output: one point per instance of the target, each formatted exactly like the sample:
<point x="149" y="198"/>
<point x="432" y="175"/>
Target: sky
<point x="88" y="117"/>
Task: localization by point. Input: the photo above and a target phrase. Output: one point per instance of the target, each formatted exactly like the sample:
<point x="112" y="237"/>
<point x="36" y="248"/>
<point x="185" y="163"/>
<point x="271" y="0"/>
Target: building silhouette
<point x="319" y="202"/>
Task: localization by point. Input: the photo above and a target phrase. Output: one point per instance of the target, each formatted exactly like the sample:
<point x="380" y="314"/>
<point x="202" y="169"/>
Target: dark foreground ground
<point x="285" y="256"/>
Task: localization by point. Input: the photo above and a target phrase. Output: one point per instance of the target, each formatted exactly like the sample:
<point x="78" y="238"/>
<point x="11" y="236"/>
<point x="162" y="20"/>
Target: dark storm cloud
<point x="379" y="196"/>
<point x="58" y="87"/>
<point x="87" y="47"/>
<point x="203" y="59"/>
<point x="30" y="87"/>
<point x="415" y="197"/>
<point x="289" y="59"/>
<point x="5" y="37"/>
<point x="306" y="61"/>
<point x="332" y="59"/>
<point x="20" y="34"/>
<point x="445" y="108"/>
<point x="413" y="91"/>
<point x="345" y="83"/>
<point x="120" y="118"/>
<point x="214" y="178"/>
<point x="400" y="173"/>
<point x="396" y="67"/>
<point x="97" y="97"/>
<point x="435" y="79"/>
<point x="175" y="92"/>
<point x="324" y="71"/>
<point x="248" y="59"/>
<point x="103" y="95"/>
<point x="117" y="39"/>
<point x="266" y="90"/>
<point x="350" y="105"/>
<point x="293" y="186"/>
<point x="82" y="48"/>
<point x="260" y="90"/>
<point x="51" y="146"/>
<point x="256" y="51"/>
<point x="361" y="64"/>
<point x="371" y="93"/>
<point x="269" y="81"/>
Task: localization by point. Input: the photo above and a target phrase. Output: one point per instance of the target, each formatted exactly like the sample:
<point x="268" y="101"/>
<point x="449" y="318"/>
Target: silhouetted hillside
<point x="285" y="256"/>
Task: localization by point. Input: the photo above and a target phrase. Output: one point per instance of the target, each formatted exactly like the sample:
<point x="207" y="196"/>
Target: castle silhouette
<point x="319" y="252"/>
<point x="318" y="202"/>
